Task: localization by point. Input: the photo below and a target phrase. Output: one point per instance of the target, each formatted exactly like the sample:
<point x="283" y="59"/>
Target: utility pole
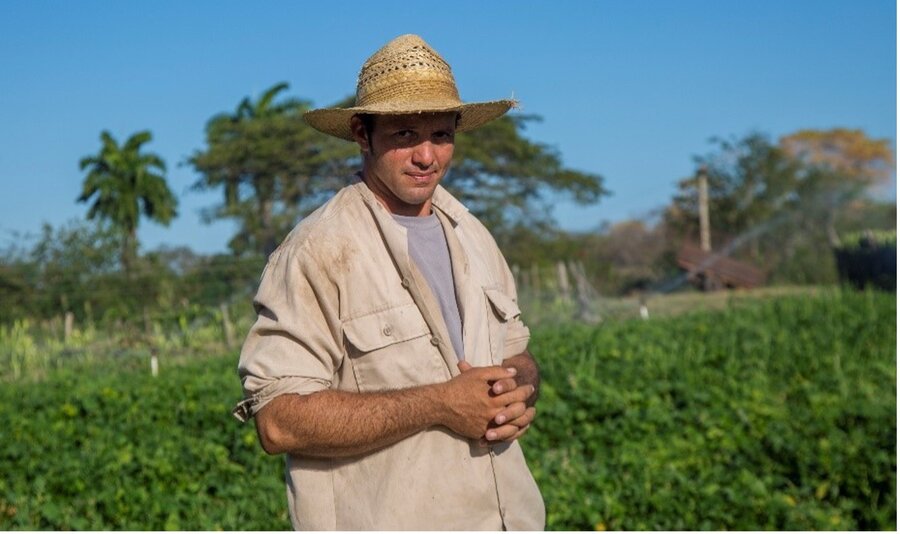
<point x="703" y="207"/>
<point x="703" y="191"/>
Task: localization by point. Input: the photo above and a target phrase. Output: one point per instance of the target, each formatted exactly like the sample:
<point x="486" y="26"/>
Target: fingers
<point x="520" y="394"/>
<point x="501" y="433"/>
<point x="503" y="385"/>
<point x="491" y="374"/>
<point x="516" y="426"/>
<point x="511" y="413"/>
<point x="508" y="433"/>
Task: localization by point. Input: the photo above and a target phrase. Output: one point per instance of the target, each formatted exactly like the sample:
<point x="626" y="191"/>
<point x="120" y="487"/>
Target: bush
<point x="775" y="414"/>
<point x="772" y="415"/>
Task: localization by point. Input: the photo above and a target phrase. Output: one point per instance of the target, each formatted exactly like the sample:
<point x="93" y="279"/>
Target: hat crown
<point x="405" y="69"/>
<point x="406" y="76"/>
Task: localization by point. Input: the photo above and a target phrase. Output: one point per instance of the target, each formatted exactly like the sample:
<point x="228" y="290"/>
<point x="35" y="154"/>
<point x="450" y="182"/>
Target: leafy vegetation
<point x="869" y="239"/>
<point x="771" y="414"/>
<point x="776" y="414"/>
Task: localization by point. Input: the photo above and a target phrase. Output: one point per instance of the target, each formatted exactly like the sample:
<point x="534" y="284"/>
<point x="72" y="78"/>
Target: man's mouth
<point x="421" y="177"/>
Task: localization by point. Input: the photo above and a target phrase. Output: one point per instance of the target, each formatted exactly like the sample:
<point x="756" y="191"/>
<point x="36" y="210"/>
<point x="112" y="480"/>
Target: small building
<point x="711" y="271"/>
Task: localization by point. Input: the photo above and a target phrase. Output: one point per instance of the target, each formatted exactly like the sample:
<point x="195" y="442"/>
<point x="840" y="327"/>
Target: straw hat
<point x="406" y="76"/>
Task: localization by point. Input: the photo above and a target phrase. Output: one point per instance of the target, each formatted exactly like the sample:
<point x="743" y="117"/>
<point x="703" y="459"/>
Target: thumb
<point x="464" y="366"/>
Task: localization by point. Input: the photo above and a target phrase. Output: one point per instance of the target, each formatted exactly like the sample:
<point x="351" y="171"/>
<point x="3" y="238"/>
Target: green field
<point x="768" y="414"/>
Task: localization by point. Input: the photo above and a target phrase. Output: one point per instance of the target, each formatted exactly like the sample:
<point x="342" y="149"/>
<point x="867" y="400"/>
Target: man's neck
<point x="393" y="204"/>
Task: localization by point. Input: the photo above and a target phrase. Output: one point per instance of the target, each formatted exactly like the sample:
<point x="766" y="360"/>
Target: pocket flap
<point x="380" y="329"/>
<point x="505" y="307"/>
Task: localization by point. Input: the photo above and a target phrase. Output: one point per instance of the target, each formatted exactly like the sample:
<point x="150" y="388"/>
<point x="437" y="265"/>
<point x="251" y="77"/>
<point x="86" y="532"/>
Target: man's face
<point x="406" y="158"/>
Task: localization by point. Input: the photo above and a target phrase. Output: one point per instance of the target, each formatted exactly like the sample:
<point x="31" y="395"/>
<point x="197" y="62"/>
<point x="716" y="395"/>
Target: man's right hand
<point x="471" y="404"/>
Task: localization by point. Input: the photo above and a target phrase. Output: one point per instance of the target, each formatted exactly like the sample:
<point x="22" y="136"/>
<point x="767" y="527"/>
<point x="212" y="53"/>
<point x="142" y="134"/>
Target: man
<point x="388" y="360"/>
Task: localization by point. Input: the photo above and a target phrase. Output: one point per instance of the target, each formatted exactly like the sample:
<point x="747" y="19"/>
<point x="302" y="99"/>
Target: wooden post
<point x="517" y="276"/>
<point x="584" y="293"/>
<point x="563" y="277"/>
<point x="227" y="327"/>
<point x="70" y="325"/>
<point x="703" y="208"/>
<point x="703" y="205"/>
<point x="535" y="280"/>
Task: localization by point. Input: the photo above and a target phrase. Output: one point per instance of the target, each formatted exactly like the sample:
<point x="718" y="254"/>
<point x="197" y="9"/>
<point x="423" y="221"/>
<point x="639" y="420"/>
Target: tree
<point x="125" y="183"/>
<point x="789" y="197"/>
<point x="504" y="178"/>
<point x="272" y="166"/>
<point x="839" y="166"/>
<point x="750" y="181"/>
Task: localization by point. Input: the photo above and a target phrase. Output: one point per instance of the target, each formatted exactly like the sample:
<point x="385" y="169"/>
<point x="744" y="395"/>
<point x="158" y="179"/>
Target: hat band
<point x="436" y="90"/>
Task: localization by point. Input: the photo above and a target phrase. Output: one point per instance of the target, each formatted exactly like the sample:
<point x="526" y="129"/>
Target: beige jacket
<point x="342" y="306"/>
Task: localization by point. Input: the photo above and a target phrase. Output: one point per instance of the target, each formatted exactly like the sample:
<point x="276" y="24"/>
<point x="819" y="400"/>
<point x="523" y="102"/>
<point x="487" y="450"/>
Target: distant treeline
<point x="779" y="206"/>
<point x="75" y="268"/>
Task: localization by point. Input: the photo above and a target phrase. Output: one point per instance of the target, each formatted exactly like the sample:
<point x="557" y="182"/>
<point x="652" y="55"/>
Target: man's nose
<point x="423" y="154"/>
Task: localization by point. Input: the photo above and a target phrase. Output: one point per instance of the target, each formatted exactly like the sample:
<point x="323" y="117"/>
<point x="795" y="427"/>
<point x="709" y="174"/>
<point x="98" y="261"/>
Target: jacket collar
<point x="442" y="200"/>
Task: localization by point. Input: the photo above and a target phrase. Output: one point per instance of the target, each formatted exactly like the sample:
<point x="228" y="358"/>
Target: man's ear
<point x="358" y="128"/>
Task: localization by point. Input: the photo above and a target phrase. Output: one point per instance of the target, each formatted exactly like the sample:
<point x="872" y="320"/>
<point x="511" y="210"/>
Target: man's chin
<point x="419" y="196"/>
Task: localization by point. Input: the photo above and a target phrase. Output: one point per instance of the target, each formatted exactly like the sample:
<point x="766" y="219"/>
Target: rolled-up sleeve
<point x="293" y="347"/>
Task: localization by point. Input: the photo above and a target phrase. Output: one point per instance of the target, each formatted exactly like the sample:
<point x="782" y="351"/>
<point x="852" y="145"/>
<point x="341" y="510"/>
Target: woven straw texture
<point x="406" y="76"/>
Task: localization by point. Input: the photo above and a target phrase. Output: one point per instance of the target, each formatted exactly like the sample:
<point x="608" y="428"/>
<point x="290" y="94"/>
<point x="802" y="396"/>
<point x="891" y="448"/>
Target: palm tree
<point x="226" y="126"/>
<point x="270" y="164"/>
<point x="124" y="183"/>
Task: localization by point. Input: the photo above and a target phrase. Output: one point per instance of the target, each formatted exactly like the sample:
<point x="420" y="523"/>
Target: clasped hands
<point x="489" y="405"/>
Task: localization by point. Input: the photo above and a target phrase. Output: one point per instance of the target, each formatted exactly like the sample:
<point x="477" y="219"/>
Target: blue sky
<point x="630" y="90"/>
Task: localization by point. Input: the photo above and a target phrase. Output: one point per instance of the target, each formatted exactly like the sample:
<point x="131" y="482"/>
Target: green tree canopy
<point x="839" y="166"/>
<point x="750" y="180"/>
<point x="123" y="183"/>
<point x="788" y="197"/>
<point x="272" y="167"/>
<point x="505" y="178"/>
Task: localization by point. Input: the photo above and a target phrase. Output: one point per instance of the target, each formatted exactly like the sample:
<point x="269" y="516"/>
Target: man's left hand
<point x="514" y="420"/>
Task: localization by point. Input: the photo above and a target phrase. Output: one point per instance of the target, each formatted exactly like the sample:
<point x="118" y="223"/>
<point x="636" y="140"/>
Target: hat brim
<point x="336" y="121"/>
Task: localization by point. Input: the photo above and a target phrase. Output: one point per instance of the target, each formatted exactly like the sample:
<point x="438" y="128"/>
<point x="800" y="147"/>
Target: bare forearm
<point x="527" y="372"/>
<point x="336" y="423"/>
<point x="333" y="424"/>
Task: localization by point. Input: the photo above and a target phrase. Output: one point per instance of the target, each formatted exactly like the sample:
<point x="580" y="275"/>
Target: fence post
<point x="517" y="276"/>
<point x="563" y="277"/>
<point x="227" y="327"/>
<point x="69" y="326"/>
<point x="535" y="280"/>
<point x="584" y="292"/>
<point x="154" y="363"/>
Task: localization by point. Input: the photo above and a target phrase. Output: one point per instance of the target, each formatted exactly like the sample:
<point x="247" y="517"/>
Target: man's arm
<point x="332" y="423"/>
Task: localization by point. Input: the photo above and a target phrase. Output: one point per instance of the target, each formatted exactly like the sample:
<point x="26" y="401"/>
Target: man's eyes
<point x="411" y="135"/>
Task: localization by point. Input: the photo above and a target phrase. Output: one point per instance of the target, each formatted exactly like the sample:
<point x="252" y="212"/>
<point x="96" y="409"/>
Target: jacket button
<point x="435" y="341"/>
<point x="405" y="282"/>
<point x="387" y="330"/>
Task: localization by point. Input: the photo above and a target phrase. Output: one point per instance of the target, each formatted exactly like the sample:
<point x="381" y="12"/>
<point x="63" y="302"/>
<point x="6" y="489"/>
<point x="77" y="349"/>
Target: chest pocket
<point x="391" y="349"/>
<point x="502" y="310"/>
